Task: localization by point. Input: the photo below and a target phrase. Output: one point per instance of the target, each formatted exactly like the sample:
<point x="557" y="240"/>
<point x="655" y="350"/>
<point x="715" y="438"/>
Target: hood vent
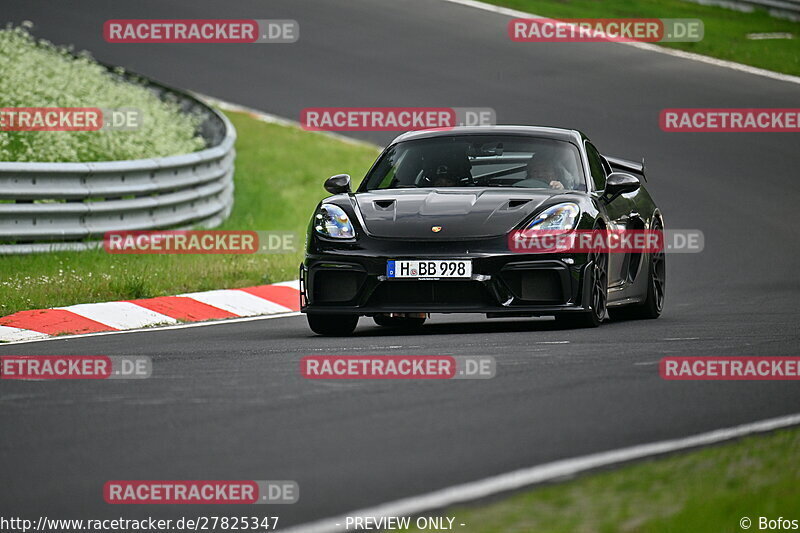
<point x="513" y="204"/>
<point x="410" y="213"/>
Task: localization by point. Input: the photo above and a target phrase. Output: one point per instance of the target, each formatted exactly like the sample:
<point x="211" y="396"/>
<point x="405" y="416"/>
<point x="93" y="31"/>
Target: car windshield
<point x="479" y="161"/>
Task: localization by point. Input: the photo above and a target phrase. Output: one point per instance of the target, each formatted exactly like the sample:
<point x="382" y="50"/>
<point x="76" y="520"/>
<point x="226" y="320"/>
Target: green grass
<point x="708" y="490"/>
<point x="40" y="74"/>
<point x="725" y="29"/>
<point x="279" y="175"/>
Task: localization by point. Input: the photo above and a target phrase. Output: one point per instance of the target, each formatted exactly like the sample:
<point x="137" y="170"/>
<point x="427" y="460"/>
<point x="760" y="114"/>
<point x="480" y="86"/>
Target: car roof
<point x="561" y="134"/>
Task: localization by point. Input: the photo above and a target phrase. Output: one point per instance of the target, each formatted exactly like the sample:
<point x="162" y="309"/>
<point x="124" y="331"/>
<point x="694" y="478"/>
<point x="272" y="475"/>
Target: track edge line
<point x="530" y="476"/>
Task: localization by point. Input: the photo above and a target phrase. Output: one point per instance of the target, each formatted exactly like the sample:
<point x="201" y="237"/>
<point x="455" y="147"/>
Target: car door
<point x="618" y="212"/>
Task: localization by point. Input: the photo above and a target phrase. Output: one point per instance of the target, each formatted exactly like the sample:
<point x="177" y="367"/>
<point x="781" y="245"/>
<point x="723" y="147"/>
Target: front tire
<point x="598" y="296"/>
<point x="332" y="325"/>
<point x="653" y="304"/>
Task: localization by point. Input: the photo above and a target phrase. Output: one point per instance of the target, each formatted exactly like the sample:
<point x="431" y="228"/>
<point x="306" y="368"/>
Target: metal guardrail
<point x="779" y="8"/>
<point x="69" y="206"/>
<point x="788" y="5"/>
<point x="782" y="5"/>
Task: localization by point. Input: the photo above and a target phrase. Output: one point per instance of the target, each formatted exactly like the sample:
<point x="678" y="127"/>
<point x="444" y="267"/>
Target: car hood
<point x="460" y="212"/>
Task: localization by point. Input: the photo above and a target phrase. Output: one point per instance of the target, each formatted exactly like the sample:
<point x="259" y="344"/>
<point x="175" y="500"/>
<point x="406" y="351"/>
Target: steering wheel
<point x="528" y="184"/>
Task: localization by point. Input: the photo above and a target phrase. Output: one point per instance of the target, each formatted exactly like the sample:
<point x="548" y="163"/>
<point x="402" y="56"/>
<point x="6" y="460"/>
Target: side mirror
<point x="338" y="184"/>
<point x="621" y="183"/>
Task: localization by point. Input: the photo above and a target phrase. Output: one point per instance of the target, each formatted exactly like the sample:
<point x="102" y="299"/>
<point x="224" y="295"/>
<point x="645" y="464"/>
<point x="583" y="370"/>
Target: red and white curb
<point x="165" y="310"/>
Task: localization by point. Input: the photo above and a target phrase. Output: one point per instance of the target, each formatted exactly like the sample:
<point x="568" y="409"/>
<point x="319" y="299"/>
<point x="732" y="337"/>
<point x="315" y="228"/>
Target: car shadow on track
<point x="367" y="329"/>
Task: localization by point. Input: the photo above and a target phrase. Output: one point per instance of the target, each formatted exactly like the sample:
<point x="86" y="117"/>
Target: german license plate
<point x="427" y="268"/>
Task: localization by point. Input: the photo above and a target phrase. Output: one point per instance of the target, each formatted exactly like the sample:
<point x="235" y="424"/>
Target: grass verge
<point x="705" y="490"/>
<point x="279" y="176"/>
<point x="726" y="30"/>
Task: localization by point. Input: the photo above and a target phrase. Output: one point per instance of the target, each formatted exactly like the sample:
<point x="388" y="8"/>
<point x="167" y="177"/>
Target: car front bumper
<point x="352" y="279"/>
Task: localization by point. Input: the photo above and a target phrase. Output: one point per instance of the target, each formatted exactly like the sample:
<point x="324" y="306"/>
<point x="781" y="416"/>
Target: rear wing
<point x="626" y="165"/>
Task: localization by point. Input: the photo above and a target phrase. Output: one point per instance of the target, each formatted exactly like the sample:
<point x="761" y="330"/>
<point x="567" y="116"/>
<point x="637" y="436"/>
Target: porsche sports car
<point x="427" y="232"/>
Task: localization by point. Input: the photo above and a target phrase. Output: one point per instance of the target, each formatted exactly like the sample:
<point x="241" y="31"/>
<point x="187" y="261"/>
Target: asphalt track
<point x="227" y="401"/>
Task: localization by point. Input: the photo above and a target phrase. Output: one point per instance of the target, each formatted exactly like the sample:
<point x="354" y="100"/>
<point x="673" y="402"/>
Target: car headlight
<point x="331" y="221"/>
<point x="558" y="217"/>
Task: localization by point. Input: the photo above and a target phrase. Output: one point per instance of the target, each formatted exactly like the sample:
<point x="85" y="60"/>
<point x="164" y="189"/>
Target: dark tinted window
<point x="596" y="167"/>
<point x="479" y="161"/>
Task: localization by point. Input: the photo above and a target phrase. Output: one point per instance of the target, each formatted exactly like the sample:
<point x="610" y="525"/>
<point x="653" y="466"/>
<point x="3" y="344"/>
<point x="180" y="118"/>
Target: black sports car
<point x="427" y="232"/>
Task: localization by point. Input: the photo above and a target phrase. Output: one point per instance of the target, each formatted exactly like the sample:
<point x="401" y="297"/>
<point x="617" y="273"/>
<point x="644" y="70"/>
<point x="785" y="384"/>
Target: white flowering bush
<point x="39" y="74"/>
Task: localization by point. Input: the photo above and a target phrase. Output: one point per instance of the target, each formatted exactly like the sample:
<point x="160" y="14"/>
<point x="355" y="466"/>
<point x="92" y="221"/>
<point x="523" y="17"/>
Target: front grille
<point x="430" y="293"/>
